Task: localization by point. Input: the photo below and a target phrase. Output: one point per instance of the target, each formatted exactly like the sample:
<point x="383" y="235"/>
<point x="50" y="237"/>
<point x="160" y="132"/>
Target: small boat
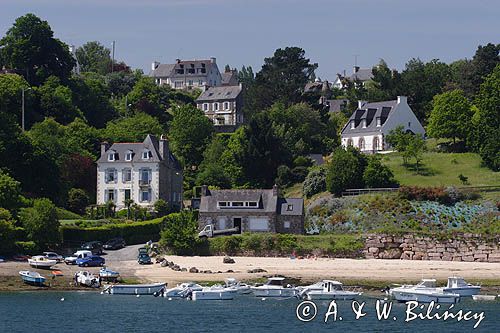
<point x="181" y="290"/>
<point x="326" y="289"/>
<point x="236" y="286"/>
<point x="135" y="289"/>
<point x="107" y="274"/>
<point x="274" y="288"/>
<point x="457" y="285"/>
<point x="33" y="278"/>
<point x="85" y="278"/>
<point x="41" y="262"/>
<point x="479" y="298"/>
<point x="213" y="293"/>
<point x="424" y="292"/>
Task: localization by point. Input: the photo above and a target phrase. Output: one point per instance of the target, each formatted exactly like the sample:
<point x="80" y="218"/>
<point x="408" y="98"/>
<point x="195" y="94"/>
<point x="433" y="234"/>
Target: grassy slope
<point x="443" y="169"/>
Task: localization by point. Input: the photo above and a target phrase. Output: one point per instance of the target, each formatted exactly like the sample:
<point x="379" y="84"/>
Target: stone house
<point x="187" y="74"/>
<point x="359" y="75"/>
<point x="143" y="172"/>
<point x="223" y="105"/>
<point x="230" y="77"/>
<point x="255" y="210"/>
<point x="369" y="125"/>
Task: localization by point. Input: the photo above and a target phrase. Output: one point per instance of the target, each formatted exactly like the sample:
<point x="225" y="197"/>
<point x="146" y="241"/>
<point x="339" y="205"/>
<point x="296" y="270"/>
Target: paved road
<point x="126" y="254"/>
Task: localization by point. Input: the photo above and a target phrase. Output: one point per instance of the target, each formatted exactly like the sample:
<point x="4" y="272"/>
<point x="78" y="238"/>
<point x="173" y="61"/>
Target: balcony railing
<point x="144" y="182"/>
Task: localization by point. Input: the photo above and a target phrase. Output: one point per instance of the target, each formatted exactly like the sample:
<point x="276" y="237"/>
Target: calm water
<point x="93" y="312"/>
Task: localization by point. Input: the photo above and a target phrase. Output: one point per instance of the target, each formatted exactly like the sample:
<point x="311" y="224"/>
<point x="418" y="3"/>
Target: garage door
<point x="258" y="224"/>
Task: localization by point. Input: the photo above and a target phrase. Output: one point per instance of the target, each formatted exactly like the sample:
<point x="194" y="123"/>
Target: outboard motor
<point x="159" y="292"/>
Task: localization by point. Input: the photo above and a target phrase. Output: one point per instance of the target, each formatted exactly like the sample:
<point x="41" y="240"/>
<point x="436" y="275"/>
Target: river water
<point x="93" y="312"/>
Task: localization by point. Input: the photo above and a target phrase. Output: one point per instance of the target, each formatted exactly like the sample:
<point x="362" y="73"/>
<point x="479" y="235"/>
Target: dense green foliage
<point x="345" y="170"/>
<point x="40" y="222"/>
<point x="179" y="235"/>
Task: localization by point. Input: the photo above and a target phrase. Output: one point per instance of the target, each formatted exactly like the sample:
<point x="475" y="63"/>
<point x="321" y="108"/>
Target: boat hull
<point x="315" y="295"/>
<point x="275" y="292"/>
<point x="464" y="292"/>
<point x="138" y="289"/>
<point x="44" y="265"/>
<point x="35" y="280"/>
<point x="403" y="296"/>
<point x="212" y="295"/>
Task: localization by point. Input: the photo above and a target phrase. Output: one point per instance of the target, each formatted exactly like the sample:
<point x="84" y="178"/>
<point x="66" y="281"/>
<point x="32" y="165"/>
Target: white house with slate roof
<point x="144" y="172"/>
<point x="223" y="105"/>
<point x="368" y="126"/>
<point x="187" y="74"/>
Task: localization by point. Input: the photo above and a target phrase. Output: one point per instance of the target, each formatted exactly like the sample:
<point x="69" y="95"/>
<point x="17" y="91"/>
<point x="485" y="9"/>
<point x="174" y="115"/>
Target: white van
<point x="77" y="255"/>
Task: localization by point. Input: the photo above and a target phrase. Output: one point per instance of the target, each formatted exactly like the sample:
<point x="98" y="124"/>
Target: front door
<point x="237" y="223"/>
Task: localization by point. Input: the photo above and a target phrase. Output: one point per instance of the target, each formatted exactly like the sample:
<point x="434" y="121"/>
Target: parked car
<point x="53" y="255"/>
<point x="144" y="259"/>
<point x="91" y="261"/>
<point x="71" y="260"/>
<point x="114" y="244"/>
<point x="95" y="247"/>
<point x="20" y="257"/>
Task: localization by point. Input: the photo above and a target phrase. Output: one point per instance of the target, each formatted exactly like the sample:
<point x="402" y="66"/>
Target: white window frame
<point x="145" y="153"/>
<point x="112" y="192"/>
<point x="128" y="156"/>
<point x="216" y="106"/>
<point x="125" y="194"/>
<point x="226" y="105"/>
<point x="205" y="107"/>
<point x="111" y="157"/>
<point x="142" y="172"/>
<point x="110" y="171"/>
<point x="148" y="194"/>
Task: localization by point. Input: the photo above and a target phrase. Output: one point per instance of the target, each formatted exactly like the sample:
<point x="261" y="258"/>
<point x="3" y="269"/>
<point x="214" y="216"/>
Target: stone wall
<point x="462" y="247"/>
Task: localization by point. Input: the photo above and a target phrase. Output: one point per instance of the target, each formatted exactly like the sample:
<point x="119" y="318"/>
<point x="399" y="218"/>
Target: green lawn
<point x="441" y="169"/>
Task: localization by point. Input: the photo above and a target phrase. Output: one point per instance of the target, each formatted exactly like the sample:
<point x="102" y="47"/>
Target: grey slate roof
<point x="369" y="112"/>
<point x="163" y="70"/>
<point x="268" y="203"/>
<point x="121" y="148"/>
<point x="229" y="78"/>
<point x="363" y="74"/>
<point x="290" y="206"/>
<point x="337" y="105"/>
<point x="219" y="93"/>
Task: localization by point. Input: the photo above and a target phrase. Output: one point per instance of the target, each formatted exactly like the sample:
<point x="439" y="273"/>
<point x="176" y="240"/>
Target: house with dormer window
<point x="369" y="125"/>
<point x="143" y="172"/>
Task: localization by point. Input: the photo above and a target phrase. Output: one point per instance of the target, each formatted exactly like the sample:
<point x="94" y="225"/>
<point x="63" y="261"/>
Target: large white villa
<point x="143" y="172"/>
<point x="371" y="122"/>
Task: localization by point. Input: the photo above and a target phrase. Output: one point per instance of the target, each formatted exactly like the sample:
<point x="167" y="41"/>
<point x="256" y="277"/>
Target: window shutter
<point x="116" y="175"/>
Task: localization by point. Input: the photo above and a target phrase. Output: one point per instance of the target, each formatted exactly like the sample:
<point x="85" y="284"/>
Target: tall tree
<point x="281" y="79"/>
<point x="451" y="116"/>
<point x="94" y="57"/>
<point x="345" y="170"/>
<point x="132" y="129"/>
<point x="30" y="48"/>
<point x="41" y="223"/>
<point x="56" y="101"/>
<point x="190" y="132"/>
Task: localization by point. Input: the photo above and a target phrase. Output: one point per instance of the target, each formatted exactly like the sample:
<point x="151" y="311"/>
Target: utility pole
<point x="113" y="57"/>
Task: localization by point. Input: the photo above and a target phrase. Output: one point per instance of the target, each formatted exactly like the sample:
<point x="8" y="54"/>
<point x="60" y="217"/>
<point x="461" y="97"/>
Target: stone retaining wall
<point x="463" y="247"/>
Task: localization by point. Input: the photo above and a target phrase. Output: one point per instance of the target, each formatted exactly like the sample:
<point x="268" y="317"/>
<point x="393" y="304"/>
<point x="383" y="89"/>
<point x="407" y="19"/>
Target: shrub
<point x="63" y="214"/>
<point x="40" y="222"/>
<point x="78" y="200"/>
<point x="315" y="182"/>
<point x="345" y="170"/>
<point x="179" y="235"/>
<point x="425" y="194"/>
<point x="378" y="175"/>
<point x="253" y="242"/>
<point x="286" y="243"/>
<point x="161" y="207"/>
<point x="7" y="232"/>
<point x="284" y="176"/>
<point x="28" y="248"/>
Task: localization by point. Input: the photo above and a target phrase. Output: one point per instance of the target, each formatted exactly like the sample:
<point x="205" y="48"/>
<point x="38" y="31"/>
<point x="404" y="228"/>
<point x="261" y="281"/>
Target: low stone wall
<point x="463" y="247"/>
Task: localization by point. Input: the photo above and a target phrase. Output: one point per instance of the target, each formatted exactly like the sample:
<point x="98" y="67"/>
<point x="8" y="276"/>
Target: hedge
<point x="133" y="233"/>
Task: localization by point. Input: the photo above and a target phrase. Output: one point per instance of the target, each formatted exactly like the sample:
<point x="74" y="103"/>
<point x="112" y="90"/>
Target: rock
<point x="164" y="263"/>
<point x="159" y="259"/>
<point x="176" y="268"/>
<point x="228" y="260"/>
<point x="193" y="270"/>
<point x="257" y="270"/>
<point x="183" y="269"/>
<point x="207" y="271"/>
<point x="229" y="271"/>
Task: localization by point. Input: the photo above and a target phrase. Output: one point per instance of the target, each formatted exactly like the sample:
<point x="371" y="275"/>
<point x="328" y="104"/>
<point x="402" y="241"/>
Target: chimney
<point x="355" y="69"/>
<point x="360" y="104"/>
<point x="204" y="191"/>
<point x="212" y="60"/>
<point x="275" y="190"/>
<point x="154" y="65"/>
<point x="163" y="147"/>
<point x="177" y="60"/>
<point x="104" y="147"/>
<point x="402" y="99"/>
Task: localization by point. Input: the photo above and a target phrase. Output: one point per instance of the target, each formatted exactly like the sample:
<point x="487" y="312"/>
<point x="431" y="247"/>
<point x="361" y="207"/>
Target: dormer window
<point x="112" y="156"/>
<point x="205" y="106"/>
<point x="128" y="156"/>
<point x="226" y="105"/>
<point x="146" y="154"/>
<point x="352" y="124"/>
<point x="289" y="207"/>
<point x="379" y="122"/>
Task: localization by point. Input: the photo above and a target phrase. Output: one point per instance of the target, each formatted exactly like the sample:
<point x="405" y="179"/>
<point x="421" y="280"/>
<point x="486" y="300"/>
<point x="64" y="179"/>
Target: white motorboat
<point x="41" y="262"/>
<point x="274" y="288"/>
<point x="479" y="298"/>
<point x="181" y="290"/>
<point x="326" y="289"/>
<point x="236" y="286"/>
<point x="135" y="289"/>
<point x="107" y="274"/>
<point x="424" y="292"/>
<point x="211" y="293"/>
<point x="85" y="278"/>
<point x="457" y="285"/>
